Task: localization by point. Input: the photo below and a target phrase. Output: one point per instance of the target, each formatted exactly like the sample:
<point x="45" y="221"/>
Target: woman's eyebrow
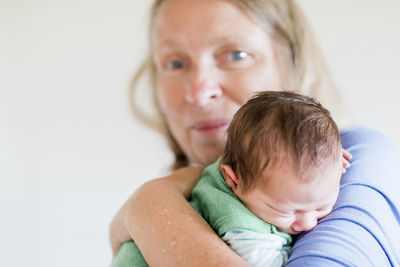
<point x="166" y="44"/>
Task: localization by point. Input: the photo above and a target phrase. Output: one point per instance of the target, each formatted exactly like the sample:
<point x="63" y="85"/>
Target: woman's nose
<point x="203" y="88"/>
<point x="304" y="222"/>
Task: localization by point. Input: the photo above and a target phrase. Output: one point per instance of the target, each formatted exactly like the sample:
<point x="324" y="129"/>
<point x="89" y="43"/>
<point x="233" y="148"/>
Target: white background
<point x="70" y="150"/>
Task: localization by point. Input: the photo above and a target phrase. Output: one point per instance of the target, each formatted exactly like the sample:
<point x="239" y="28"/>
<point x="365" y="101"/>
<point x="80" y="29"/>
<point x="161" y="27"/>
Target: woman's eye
<point x="237" y="55"/>
<point x="175" y="65"/>
<point x="234" y="59"/>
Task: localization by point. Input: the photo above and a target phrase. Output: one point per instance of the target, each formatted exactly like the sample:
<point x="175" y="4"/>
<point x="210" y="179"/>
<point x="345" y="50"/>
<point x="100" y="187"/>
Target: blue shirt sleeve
<point x="364" y="226"/>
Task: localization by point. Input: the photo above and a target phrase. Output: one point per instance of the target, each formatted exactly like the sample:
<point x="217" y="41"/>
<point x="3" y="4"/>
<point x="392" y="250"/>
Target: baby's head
<point x="283" y="159"/>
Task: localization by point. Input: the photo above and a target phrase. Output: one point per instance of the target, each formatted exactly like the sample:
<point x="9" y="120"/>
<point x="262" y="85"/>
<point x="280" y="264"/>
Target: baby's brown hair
<point x="278" y="126"/>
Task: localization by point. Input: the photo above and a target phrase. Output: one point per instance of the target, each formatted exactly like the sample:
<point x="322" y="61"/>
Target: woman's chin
<point x="207" y="153"/>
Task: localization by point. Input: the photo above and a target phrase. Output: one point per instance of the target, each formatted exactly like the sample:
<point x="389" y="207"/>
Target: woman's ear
<point x="230" y="177"/>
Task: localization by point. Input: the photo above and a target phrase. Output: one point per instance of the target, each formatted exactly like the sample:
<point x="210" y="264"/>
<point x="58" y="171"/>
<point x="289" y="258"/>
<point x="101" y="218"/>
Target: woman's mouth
<point x="210" y="127"/>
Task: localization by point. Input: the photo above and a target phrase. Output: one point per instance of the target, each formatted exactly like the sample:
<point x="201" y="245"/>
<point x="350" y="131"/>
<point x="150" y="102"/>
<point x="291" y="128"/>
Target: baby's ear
<point x="230" y="177"/>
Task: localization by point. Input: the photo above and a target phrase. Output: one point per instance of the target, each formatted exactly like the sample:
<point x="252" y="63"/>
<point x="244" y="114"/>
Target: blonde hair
<point x="284" y="22"/>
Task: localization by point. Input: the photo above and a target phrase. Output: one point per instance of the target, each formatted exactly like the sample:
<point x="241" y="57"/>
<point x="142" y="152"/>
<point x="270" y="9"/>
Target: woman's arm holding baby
<point x="183" y="180"/>
<point x="171" y="232"/>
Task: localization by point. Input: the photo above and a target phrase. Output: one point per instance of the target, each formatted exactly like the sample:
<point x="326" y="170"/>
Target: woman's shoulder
<point x="363" y="228"/>
<point x="359" y="134"/>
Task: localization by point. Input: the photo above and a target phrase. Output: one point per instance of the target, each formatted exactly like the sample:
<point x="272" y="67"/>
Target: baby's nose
<point x="304" y="223"/>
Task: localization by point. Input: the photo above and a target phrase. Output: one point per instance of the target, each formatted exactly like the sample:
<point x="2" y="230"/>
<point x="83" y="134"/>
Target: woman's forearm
<point x="184" y="180"/>
<point x="168" y="231"/>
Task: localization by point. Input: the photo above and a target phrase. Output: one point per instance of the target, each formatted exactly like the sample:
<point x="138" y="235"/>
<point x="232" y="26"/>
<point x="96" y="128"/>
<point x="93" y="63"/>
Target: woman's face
<point x="210" y="58"/>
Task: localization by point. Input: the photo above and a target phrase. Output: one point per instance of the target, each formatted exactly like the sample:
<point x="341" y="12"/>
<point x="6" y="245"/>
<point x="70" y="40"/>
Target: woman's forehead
<point x="203" y="20"/>
<point x="205" y="14"/>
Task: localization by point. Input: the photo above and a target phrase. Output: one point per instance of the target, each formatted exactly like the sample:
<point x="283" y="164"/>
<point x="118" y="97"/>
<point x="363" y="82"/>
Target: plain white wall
<point x="70" y="150"/>
<point x="361" y="40"/>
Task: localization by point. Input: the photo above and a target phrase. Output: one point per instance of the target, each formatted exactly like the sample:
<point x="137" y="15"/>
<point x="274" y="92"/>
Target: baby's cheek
<point x="281" y="222"/>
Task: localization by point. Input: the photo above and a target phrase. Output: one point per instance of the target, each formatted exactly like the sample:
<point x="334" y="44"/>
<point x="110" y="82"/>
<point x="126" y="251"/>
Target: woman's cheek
<point x="246" y="82"/>
<point x="239" y="88"/>
<point x="167" y="96"/>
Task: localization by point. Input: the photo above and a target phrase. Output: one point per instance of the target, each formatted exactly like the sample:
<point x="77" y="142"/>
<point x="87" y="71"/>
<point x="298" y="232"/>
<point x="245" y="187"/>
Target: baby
<point x="279" y="174"/>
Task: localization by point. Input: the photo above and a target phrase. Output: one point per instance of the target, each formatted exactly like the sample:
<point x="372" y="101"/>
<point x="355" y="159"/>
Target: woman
<point x="207" y="58"/>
